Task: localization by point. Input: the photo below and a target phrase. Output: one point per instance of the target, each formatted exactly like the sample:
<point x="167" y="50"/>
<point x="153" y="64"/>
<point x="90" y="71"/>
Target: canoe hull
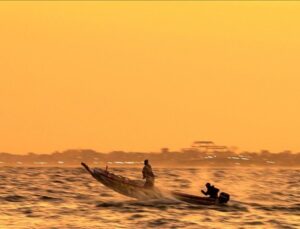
<point x="124" y="186"/>
<point x="193" y="199"/>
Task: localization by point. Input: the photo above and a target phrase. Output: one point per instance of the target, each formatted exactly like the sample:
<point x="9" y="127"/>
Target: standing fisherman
<point x="148" y="175"/>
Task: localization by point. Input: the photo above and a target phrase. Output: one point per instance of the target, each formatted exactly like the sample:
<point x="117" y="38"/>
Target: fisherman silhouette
<point x="212" y="191"/>
<point x="148" y="175"/>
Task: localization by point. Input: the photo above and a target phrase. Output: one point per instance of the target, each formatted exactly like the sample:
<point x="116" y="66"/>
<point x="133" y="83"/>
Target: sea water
<point x="71" y="198"/>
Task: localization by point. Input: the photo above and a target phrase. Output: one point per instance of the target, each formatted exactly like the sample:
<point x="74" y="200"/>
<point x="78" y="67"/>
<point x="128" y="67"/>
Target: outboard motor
<point x="223" y="197"/>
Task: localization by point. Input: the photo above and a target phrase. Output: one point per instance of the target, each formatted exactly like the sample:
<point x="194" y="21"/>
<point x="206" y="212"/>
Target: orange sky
<point x="138" y="76"/>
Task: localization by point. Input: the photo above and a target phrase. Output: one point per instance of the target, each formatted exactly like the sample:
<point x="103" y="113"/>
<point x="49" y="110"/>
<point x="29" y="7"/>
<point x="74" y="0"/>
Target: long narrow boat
<point x="136" y="189"/>
<point x="193" y="199"/>
<point x="124" y="185"/>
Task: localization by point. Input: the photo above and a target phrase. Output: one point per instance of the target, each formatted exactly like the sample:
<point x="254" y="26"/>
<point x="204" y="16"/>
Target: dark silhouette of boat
<point x="124" y="185"/>
<point x="193" y="199"/>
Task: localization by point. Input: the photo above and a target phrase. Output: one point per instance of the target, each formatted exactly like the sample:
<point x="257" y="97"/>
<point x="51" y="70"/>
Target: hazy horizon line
<point x="151" y="152"/>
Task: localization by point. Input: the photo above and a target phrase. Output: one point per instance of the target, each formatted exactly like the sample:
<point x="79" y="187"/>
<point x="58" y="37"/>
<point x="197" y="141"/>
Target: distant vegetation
<point x="195" y="156"/>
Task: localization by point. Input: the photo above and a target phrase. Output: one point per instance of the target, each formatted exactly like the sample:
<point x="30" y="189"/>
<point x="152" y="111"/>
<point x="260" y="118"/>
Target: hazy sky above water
<point x="139" y="76"/>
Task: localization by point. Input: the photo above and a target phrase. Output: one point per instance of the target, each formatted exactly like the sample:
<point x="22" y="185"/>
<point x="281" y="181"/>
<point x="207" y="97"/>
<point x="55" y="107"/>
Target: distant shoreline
<point x="158" y="166"/>
<point x="187" y="158"/>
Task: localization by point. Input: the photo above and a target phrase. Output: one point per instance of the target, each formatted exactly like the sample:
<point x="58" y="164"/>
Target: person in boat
<point x="148" y="175"/>
<point x="212" y="191"/>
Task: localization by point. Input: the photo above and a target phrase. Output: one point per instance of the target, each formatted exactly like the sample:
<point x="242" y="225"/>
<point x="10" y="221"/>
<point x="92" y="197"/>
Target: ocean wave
<point x="71" y="198"/>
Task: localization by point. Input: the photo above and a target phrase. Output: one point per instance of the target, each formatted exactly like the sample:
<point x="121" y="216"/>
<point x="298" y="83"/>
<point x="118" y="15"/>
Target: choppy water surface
<point x="71" y="198"/>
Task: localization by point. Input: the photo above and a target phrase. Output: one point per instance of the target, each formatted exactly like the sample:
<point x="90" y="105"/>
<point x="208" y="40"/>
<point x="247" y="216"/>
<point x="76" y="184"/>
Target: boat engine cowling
<point x="223" y="197"/>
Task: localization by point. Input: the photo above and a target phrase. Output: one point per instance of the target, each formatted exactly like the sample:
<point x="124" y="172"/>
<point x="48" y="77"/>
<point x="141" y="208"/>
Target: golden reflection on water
<point x="71" y="198"/>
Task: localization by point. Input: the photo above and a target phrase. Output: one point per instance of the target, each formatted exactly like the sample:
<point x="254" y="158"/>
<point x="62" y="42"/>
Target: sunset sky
<point x="139" y="76"/>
